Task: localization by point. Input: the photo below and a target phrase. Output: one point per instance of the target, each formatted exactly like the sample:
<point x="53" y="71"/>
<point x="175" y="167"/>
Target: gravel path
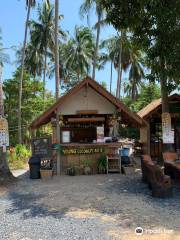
<point x="100" y="207"/>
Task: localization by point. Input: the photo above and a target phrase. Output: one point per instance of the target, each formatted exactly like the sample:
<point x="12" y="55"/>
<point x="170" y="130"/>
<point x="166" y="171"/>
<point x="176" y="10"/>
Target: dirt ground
<point x="89" y="207"/>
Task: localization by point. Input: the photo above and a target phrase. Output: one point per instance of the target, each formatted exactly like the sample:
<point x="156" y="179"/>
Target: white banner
<point x="4" y="134"/>
<point x="167" y="133"/>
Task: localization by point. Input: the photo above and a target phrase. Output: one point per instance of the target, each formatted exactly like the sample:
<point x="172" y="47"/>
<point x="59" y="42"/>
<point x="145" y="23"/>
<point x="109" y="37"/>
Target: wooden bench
<point x="153" y="175"/>
<point x="172" y="168"/>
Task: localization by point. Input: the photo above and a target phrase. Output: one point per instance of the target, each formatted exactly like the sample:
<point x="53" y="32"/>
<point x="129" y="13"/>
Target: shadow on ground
<point x="27" y="203"/>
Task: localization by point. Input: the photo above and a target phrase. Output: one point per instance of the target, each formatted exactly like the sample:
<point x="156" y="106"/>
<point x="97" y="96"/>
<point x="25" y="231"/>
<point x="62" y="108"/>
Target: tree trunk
<point x="164" y="97"/>
<point x="118" y="90"/>
<point x="21" y="77"/>
<point x="57" y="48"/>
<point x="44" y="77"/>
<point x="57" y="80"/>
<point x="111" y="77"/>
<point x="97" y="46"/>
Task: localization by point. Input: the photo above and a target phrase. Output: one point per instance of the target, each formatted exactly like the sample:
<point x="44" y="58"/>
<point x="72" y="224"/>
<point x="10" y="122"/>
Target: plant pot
<point x="46" y="173"/>
<point x="87" y="170"/>
<point x="71" y="171"/>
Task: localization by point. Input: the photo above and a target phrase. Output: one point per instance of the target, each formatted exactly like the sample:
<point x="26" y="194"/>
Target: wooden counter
<point x="78" y="153"/>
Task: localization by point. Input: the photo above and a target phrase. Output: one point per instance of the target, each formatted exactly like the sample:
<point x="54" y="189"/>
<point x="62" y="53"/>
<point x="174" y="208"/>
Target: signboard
<point x="100" y="134"/>
<point x="79" y="151"/>
<point x="168" y="134"/>
<point x="4" y="134"/>
<point x="66" y="136"/>
<point x="41" y="147"/>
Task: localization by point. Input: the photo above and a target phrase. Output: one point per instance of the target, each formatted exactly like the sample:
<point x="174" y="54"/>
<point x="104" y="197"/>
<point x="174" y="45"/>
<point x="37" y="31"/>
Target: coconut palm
<point x="136" y="74"/>
<point x="79" y="52"/>
<point x="118" y="53"/>
<point x="42" y="39"/>
<point x="111" y="47"/>
<point x="29" y="5"/>
<point x="84" y="10"/>
<point x="56" y="53"/>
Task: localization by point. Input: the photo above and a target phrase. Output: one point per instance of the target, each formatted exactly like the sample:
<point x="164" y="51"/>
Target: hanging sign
<point x="4" y="134"/>
<point x="100" y="134"/>
<point x="167" y="133"/>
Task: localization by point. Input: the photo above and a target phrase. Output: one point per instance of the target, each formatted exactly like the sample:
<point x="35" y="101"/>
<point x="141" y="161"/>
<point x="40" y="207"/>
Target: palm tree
<point x="118" y="53"/>
<point x="79" y="52"/>
<point x="56" y="54"/>
<point x="84" y="10"/>
<point x="111" y="48"/>
<point x="42" y="39"/>
<point x="122" y="61"/>
<point x="29" y="5"/>
<point x="136" y="74"/>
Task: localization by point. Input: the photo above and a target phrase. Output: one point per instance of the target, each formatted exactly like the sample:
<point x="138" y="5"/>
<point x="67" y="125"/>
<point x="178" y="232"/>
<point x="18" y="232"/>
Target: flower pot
<point x="46" y="173"/>
<point x="71" y="171"/>
<point x="87" y="170"/>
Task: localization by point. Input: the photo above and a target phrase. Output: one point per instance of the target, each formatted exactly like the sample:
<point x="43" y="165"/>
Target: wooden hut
<point x="151" y="134"/>
<point x="86" y="116"/>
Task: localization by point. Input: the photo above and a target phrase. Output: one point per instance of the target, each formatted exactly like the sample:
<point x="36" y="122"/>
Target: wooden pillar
<point x="145" y="138"/>
<point x="58" y="152"/>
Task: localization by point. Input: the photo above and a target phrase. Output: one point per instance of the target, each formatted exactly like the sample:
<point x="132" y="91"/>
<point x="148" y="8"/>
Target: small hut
<point x="88" y="118"/>
<point x="151" y="134"/>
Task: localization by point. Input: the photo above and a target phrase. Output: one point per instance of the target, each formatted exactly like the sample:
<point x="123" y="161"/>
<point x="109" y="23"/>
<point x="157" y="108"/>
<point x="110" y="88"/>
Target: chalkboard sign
<point x="41" y="147"/>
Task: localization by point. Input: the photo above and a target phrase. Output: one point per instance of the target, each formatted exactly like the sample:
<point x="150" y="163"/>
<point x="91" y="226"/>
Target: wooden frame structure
<point x="85" y="107"/>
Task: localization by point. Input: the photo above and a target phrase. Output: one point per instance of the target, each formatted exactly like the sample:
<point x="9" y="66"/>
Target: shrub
<point x="102" y="164"/>
<point x="18" y="157"/>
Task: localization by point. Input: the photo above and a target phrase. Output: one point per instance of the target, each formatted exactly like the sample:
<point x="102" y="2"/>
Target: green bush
<point x="18" y="157"/>
<point x="102" y="164"/>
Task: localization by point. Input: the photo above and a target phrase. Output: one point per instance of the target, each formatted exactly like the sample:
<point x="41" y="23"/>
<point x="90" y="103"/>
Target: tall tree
<point x="78" y="52"/>
<point x="118" y="50"/>
<point x="155" y="27"/>
<point x="84" y="10"/>
<point x="32" y="103"/>
<point x="110" y="47"/>
<point x="42" y="38"/>
<point x="29" y="5"/>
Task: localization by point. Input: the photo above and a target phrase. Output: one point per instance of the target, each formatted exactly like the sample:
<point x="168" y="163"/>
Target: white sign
<point x="168" y="138"/>
<point x="4" y="134"/>
<point x="100" y="134"/>
<point x="167" y="133"/>
<point x="66" y="136"/>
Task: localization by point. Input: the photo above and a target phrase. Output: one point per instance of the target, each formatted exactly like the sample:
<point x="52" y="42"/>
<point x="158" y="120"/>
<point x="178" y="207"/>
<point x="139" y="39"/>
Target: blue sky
<point x="12" y="20"/>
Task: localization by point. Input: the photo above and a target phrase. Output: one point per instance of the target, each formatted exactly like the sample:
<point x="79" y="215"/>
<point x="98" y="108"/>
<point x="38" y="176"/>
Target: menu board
<point x="41" y="147"/>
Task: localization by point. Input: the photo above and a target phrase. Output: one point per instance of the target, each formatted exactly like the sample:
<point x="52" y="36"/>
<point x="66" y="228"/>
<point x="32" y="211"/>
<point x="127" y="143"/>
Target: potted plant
<point x="102" y="164"/>
<point x="71" y="170"/>
<point x="87" y="167"/>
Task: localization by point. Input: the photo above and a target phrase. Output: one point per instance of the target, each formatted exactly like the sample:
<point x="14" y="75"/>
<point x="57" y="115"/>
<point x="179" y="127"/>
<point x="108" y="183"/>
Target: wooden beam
<point x="86" y="112"/>
<point x="94" y="119"/>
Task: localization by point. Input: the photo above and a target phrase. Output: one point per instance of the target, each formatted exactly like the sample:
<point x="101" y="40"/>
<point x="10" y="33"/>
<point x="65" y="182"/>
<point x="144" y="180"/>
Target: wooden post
<point x="58" y="141"/>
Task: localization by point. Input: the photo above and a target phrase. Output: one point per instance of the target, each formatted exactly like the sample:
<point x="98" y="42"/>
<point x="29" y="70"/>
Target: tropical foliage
<point x="32" y="104"/>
